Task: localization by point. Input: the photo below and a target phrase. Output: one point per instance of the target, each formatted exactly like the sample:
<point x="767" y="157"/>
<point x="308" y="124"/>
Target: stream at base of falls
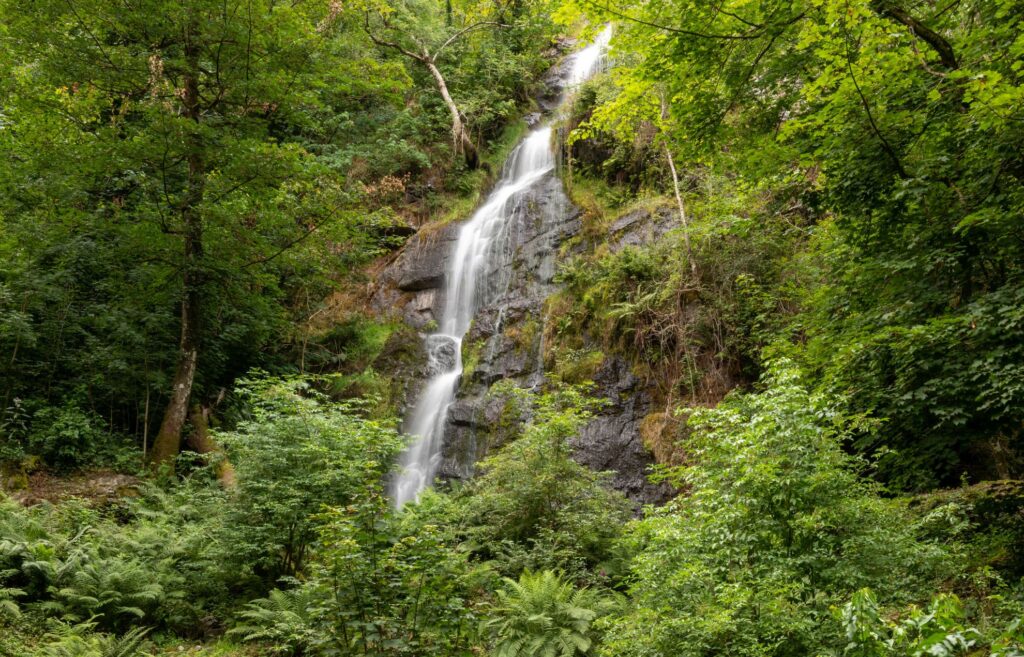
<point x="479" y="271"/>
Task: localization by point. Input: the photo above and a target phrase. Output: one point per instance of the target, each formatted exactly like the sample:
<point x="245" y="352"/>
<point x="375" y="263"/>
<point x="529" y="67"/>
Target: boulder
<point x="424" y="260"/>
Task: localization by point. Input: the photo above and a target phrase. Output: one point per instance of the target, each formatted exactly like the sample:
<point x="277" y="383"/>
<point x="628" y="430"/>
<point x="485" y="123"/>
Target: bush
<point x="284" y="621"/>
<point x="296" y="455"/>
<point x="378" y="585"/>
<point x="67" y="437"/>
<point x="533" y="507"/>
<point x="941" y="629"/>
<point x="80" y="641"/>
<point x="778" y="527"/>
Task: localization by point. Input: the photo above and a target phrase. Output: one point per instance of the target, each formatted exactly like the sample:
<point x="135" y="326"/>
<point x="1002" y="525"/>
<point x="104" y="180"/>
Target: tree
<point x="776" y="526"/>
<point x="162" y="135"/>
<point x="412" y="28"/>
<point x="297" y="454"/>
<point x="890" y="126"/>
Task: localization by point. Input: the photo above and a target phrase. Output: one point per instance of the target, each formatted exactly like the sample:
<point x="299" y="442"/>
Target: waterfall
<point x="479" y="269"/>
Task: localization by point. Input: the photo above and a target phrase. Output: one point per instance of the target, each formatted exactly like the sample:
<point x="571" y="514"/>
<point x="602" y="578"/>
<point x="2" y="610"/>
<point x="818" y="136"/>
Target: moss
<point x="350" y="345"/>
<point x="660" y="433"/>
<point x="471" y="351"/>
<point x="578" y="365"/>
<point x="524" y="335"/>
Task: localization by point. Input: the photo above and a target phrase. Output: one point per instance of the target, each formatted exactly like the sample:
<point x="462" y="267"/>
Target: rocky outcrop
<point x="412" y="286"/>
<point x="423" y="263"/>
<point x="504" y="341"/>
<point x="641" y="226"/>
<point x="611" y="441"/>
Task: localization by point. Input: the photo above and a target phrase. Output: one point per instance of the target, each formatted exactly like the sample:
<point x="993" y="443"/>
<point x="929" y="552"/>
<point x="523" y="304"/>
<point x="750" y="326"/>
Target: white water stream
<point x="482" y="244"/>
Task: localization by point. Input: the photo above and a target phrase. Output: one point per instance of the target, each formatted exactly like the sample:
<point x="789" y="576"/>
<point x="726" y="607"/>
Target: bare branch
<point x="389" y="44"/>
<point x="464" y="30"/>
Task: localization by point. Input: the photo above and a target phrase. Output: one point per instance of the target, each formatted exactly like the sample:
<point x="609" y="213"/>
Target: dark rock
<point x="398" y="230"/>
<point x="424" y="308"/>
<point x="442" y="352"/>
<point x="641" y="227"/>
<point x="480" y="413"/>
<point x="612" y="442"/>
<point x="553" y="84"/>
<point x="424" y="260"/>
<point x="503" y="359"/>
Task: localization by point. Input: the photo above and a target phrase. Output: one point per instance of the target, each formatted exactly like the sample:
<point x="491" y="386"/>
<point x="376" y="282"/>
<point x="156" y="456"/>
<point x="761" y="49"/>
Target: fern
<point x="284" y="620"/>
<point x="8" y="607"/>
<point x="542" y="615"/>
<point x="113" y="591"/>
<point x="80" y="641"/>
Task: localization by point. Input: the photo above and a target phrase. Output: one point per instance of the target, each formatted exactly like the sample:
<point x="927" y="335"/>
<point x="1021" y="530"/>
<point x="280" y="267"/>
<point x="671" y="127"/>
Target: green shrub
<point x="377" y="586"/>
<point x="66" y="437"/>
<point x="297" y="454"/>
<point x="113" y="591"/>
<point x="533" y="507"/>
<point x="777" y="527"/>
<point x="941" y="630"/>
<point x="160" y="563"/>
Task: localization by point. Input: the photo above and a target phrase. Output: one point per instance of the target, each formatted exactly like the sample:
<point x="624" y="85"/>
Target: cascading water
<point x="478" y="271"/>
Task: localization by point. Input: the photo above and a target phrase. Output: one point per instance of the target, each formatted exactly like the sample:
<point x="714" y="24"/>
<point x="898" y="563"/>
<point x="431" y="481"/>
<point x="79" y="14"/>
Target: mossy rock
<point x="16" y="481"/>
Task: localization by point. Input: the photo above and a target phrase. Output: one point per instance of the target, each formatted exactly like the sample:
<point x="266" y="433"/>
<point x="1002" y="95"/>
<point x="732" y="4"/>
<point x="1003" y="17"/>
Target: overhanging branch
<point x="920" y="30"/>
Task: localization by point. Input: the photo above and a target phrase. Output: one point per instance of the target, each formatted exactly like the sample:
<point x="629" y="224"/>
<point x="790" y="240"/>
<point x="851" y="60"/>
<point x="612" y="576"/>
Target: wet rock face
<point x="411" y="287"/>
<point x="504" y="341"/>
<point x="424" y="262"/>
<point x="441" y="354"/>
<point x="553" y="83"/>
<point x="508" y="327"/>
<point x="611" y="441"/>
<point x="640" y="227"/>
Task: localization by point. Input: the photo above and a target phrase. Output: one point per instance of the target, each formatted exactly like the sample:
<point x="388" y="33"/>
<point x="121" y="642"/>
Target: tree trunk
<point x="682" y="210"/>
<point x="203" y="443"/>
<point x="460" y="137"/>
<point x="168" y="441"/>
<point x="675" y="189"/>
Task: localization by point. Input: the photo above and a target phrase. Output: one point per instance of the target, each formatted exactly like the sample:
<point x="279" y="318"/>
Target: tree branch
<point x="265" y="259"/>
<point x="920" y="30"/>
<point x="886" y="146"/>
<point x="390" y="44"/>
<point x="464" y="30"/>
<point x="674" y="30"/>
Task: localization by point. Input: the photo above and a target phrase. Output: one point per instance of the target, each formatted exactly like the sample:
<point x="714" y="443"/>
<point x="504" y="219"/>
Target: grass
<point x="603" y="203"/>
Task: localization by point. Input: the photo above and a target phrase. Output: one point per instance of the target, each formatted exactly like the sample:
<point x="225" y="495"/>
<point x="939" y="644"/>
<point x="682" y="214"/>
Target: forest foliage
<point x="829" y="322"/>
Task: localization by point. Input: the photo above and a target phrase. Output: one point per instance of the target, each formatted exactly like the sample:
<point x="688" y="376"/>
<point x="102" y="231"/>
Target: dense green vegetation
<point x="827" y="313"/>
